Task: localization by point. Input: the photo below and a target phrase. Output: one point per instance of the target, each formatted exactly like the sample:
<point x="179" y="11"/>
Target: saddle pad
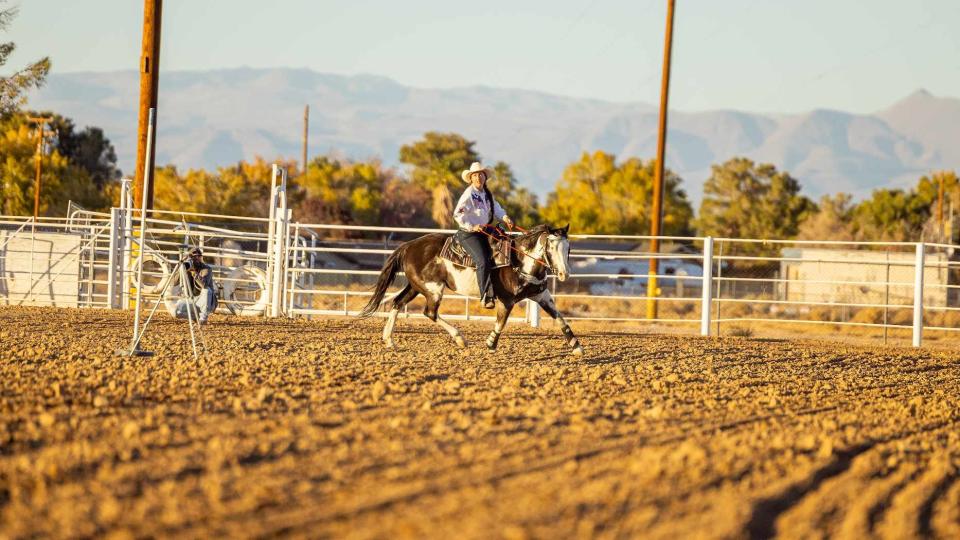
<point x="454" y="252"/>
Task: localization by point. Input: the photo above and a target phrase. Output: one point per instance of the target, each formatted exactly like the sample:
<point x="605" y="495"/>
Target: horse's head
<point x="545" y="244"/>
<point x="557" y="252"/>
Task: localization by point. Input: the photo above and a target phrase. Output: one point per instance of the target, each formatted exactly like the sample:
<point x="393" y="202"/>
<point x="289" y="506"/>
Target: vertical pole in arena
<point x="306" y="127"/>
<point x="656" y="214"/>
<point x="149" y="80"/>
<point x="141" y="249"/>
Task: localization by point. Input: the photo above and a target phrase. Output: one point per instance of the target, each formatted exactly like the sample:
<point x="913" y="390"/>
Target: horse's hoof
<point x="390" y="345"/>
<point x="578" y="350"/>
<point x="462" y="343"/>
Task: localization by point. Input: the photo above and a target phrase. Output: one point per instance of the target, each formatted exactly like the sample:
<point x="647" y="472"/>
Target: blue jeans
<point x="205" y="302"/>
<point x="478" y="247"/>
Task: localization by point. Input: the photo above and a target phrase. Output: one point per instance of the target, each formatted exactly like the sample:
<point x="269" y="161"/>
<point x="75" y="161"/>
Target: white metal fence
<point x="273" y="266"/>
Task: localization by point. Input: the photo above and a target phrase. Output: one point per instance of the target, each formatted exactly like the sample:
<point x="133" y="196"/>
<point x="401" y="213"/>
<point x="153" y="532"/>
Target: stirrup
<point x="488" y="302"/>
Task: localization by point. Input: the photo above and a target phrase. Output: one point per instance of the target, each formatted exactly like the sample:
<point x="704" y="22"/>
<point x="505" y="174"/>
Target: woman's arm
<point x="500" y="213"/>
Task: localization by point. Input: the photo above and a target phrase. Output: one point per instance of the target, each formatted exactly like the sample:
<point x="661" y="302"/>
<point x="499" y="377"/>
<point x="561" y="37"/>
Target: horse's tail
<point x="387" y="275"/>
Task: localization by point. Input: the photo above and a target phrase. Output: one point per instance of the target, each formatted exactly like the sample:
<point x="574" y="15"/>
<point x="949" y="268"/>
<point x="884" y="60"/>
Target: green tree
<point x="436" y="162"/>
<point x="745" y="200"/>
<point x="893" y="215"/>
<point x="597" y="196"/>
<point x="88" y="149"/>
<point x="12" y="87"/>
<point x="519" y="203"/>
<point x="901" y="215"/>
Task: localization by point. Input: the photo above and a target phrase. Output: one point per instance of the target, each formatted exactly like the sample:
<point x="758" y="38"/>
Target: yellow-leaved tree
<point x="61" y="181"/>
<point x="436" y="162"/>
<point x="238" y="190"/>
<point x="342" y="191"/>
<point x="597" y="196"/>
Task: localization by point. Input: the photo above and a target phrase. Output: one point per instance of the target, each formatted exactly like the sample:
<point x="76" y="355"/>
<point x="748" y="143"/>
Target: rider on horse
<point x="475" y="210"/>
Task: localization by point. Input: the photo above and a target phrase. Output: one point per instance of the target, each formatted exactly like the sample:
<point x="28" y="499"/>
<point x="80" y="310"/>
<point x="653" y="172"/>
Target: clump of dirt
<point x="313" y="428"/>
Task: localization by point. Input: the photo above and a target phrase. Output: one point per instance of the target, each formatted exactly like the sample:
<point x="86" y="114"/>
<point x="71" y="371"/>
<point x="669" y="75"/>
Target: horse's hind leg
<point x="431" y="311"/>
<point x="545" y="300"/>
<point x="402" y="299"/>
<point x="503" y="313"/>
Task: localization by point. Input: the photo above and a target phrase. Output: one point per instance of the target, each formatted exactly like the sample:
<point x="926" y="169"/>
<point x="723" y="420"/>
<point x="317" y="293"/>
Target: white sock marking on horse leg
<point x="452" y="330"/>
<point x="568" y="333"/>
<point x="388" y="328"/>
<point x="494" y="336"/>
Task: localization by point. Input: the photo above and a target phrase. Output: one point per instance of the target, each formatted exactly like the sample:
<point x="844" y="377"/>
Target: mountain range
<point x="214" y="118"/>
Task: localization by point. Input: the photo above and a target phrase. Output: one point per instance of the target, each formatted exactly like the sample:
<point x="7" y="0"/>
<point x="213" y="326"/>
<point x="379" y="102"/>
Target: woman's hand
<point x="477" y="228"/>
<point x="508" y="221"/>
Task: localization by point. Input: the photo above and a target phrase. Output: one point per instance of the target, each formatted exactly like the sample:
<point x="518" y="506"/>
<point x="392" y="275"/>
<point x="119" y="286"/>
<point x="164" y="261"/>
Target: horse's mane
<point x="533" y="232"/>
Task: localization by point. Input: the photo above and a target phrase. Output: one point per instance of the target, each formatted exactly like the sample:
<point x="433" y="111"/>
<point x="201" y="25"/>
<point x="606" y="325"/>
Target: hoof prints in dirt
<point x="311" y="428"/>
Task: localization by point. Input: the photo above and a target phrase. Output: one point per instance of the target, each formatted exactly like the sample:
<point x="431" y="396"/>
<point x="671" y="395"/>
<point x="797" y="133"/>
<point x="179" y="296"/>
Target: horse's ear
<point x="566" y="229"/>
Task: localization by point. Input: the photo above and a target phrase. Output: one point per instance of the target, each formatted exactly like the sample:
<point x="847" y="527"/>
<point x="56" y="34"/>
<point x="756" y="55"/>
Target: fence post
<point x="114" y="270"/>
<point x="272" y="237"/>
<point x="126" y="244"/>
<point x="533" y="314"/>
<point x="707" y="286"/>
<point x="279" y="272"/>
<point x="276" y="238"/>
<point x="918" y="297"/>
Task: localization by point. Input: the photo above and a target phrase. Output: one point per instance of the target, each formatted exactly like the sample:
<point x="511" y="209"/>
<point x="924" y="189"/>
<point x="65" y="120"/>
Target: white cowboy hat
<point x="476" y="167"/>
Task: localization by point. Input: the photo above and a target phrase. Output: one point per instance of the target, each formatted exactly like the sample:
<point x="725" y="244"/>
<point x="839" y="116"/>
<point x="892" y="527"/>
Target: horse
<point x="538" y="250"/>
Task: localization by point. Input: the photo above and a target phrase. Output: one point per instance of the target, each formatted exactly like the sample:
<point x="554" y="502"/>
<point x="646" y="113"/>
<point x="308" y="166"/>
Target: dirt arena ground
<point x="311" y="429"/>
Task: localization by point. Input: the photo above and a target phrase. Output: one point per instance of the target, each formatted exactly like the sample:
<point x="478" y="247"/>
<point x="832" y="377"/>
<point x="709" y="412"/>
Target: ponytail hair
<point x="489" y="195"/>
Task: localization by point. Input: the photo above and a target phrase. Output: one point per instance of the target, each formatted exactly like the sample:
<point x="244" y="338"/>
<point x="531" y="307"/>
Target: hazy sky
<point x="759" y="55"/>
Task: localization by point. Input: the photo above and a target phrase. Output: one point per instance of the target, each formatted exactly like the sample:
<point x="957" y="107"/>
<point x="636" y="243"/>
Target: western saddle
<point x="454" y="252"/>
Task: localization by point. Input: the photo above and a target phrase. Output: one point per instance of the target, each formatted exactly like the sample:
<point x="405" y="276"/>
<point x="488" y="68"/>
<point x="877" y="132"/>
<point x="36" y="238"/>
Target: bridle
<point x="543" y="261"/>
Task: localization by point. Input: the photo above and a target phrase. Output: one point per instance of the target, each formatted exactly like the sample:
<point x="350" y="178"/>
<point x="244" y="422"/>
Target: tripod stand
<point x="180" y="271"/>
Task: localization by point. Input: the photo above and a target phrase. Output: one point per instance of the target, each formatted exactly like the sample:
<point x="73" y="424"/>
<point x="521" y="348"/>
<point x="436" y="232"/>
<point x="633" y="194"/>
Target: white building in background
<point x="872" y="277"/>
<point x="42" y="269"/>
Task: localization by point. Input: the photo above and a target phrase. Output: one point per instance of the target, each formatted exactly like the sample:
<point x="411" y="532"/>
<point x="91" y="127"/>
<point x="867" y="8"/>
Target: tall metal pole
<point x="306" y="126"/>
<point x="149" y="79"/>
<point x="41" y="122"/>
<point x="147" y="175"/>
<point x="656" y="216"/>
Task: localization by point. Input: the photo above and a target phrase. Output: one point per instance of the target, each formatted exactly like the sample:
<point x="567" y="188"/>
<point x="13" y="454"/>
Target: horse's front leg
<point x="503" y="313"/>
<point x="545" y="300"/>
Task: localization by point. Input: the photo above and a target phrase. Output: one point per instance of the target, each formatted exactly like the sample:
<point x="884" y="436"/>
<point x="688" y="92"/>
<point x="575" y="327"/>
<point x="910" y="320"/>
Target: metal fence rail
<point x="274" y="266"/>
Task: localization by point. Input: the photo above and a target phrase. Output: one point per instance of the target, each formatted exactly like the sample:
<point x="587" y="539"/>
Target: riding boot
<point x="479" y="249"/>
<point x="488" y="296"/>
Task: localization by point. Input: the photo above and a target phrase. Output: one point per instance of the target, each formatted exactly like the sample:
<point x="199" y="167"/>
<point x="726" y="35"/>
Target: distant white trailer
<point x="861" y="277"/>
<point x="40" y="269"/>
<point x="632" y="275"/>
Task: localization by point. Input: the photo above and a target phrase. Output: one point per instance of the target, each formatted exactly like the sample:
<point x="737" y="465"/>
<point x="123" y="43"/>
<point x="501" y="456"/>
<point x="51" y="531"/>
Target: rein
<point x="525" y="254"/>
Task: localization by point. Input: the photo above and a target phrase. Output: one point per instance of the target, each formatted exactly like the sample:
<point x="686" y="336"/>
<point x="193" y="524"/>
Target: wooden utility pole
<point x="656" y="216"/>
<point x="306" y="126"/>
<point x="149" y="80"/>
<point x="41" y="122"/>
